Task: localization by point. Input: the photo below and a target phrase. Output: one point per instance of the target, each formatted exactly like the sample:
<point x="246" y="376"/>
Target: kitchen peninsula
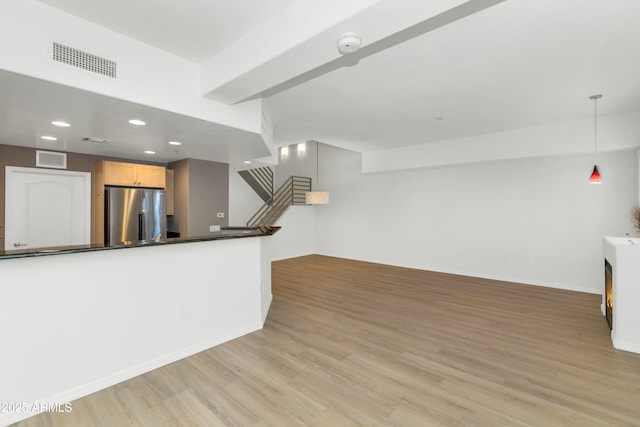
<point x="80" y="319"/>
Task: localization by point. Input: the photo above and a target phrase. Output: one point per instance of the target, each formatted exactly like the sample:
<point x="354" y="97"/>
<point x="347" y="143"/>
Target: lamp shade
<point x="595" y="177"/>
<point x="316" y="197"/>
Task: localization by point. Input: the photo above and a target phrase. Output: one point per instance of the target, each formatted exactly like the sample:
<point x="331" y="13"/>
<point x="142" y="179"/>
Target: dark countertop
<point x="224" y="234"/>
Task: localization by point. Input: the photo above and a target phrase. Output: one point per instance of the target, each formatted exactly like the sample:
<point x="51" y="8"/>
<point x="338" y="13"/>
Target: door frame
<point x="8" y="194"/>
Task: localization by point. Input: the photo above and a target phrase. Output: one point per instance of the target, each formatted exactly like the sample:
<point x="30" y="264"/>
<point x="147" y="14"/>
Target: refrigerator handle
<point x="141" y="226"/>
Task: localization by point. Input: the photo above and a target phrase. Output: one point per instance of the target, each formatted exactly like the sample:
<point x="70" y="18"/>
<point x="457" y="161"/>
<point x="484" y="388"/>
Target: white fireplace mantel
<point x="623" y="253"/>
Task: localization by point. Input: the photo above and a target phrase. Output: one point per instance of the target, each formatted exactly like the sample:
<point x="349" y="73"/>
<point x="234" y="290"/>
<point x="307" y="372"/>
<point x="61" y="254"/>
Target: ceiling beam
<point x="300" y="43"/>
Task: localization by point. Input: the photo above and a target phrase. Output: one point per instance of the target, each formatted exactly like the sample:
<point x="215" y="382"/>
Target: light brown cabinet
<point x="123" y="174"/>
<point x="132" y="174"/>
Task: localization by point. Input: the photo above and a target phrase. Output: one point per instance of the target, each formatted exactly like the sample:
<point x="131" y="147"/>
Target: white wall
<point x="297" y="235"/>
<point x="243" y="201"/>
<point x="529" y="215"/>
<point x="536" y="220"/>
<point x="296" y="164"/>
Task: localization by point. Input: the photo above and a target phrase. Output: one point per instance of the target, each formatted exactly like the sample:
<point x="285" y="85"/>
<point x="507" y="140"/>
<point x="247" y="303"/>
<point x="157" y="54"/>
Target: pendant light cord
<point x="595" y="130"/>
<point x="595" y="126"/>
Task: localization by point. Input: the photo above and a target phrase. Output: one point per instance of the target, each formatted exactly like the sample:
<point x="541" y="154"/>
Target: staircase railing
<point x="292" y="192"/>
<point x="260" y="180"/>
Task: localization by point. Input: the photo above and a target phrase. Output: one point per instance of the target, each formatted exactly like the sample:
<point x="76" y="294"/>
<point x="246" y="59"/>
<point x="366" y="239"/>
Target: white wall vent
<point x="86" y="61"/>
<point x="51" y="159"/>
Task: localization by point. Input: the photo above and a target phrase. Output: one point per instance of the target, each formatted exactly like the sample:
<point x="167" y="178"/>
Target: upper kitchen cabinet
<point x="131" y="174"/>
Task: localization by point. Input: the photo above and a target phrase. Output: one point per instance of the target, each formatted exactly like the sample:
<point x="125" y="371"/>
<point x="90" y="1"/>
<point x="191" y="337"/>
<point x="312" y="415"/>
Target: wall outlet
<point x="213" y="228"/>
<point x="220" y="214"/>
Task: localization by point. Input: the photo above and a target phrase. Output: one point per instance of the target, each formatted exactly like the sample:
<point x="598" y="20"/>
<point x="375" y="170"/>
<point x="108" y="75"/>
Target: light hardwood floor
<point x="351" y="343"/>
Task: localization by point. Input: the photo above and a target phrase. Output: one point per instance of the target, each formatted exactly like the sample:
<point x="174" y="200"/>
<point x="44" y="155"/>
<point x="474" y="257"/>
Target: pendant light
<point x="595" y="177"/>
<point x="317" y="197"/>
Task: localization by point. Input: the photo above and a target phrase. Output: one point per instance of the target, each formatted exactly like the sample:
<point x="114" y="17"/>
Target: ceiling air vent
<point x="86" y="61"/>
<point x="96" y="140"/>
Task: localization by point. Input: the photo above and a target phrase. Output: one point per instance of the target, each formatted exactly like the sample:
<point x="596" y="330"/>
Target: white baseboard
<point x="265" y="309"/>
<point x="500" y="278"/>
<point x="632" y="347"/>
<point x="118" y="377"/>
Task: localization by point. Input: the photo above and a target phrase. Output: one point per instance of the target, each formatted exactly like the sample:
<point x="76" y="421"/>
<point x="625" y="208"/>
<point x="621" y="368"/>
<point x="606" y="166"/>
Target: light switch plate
<point x="220" y="214"/>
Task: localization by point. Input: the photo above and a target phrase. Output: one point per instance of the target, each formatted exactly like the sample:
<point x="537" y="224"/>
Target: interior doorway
<point x="46" y="208"/>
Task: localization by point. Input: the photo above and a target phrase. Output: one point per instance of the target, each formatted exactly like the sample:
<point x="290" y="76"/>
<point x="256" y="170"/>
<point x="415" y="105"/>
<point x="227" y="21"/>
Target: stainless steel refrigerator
<point x="134" y="215"/>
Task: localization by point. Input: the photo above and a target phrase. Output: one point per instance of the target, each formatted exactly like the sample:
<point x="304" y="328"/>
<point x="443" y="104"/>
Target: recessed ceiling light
<point x="149" y="152"/>
<point x="137" y="122"/>
<point x="49" y="138"/>
<point x="247" y="162"/>
<point x="175" y="143"/>
<point x="61" y="124"/>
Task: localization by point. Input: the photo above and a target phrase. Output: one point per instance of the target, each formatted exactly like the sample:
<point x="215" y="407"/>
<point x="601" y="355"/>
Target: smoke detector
<point x="349" y="43"/>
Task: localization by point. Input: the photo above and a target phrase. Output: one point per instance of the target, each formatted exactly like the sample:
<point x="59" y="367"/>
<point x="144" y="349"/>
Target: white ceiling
<point x="512" y="65"/>
<point x="28" y="106"/>
<point x="192" y="29"/>
<point x="517" y="64"/>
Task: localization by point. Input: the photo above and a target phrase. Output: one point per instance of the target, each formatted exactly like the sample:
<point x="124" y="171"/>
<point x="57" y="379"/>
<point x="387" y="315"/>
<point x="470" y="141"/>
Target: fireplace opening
<point x="608" y="292"/>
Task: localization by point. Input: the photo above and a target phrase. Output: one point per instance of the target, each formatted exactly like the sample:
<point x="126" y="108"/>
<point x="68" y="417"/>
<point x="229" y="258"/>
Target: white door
<point x="46" y="208"/>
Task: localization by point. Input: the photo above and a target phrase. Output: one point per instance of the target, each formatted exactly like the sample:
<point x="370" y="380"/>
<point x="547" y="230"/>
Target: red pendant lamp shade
<point x="595" y="176"/>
